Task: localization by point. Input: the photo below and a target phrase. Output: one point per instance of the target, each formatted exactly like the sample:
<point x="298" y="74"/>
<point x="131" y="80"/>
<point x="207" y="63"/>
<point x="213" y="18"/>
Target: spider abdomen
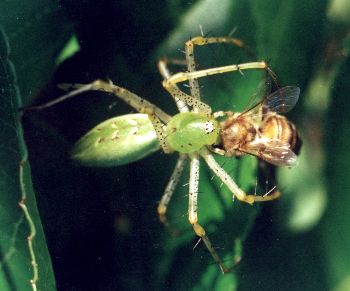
<point x="188" y="132"/>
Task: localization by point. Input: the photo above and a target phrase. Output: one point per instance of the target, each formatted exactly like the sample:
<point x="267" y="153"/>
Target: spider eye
<point x="209" y="127"/>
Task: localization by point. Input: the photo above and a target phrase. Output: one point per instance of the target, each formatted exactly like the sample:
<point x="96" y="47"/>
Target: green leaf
<point x="71" y="47"/>
<point x="24" y="255"/>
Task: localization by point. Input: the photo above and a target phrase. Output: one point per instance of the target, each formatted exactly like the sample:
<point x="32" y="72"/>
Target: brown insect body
<point x="276" y="126"/>
<point x="235" y="133"/>
<point x="262" y="132"/>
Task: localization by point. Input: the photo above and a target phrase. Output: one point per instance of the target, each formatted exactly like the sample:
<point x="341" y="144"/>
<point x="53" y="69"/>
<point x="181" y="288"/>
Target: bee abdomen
<point x="278" y="127"/>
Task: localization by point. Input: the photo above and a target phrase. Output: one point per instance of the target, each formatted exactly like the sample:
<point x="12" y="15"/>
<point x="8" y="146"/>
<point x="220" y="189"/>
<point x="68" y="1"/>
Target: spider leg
<point x="200" y="41"/>
<point x="184" y="76"/>
<point x="230" y="183"/>
<point x="188" y="99"/>
<point x="190" y="59"/>
<point x="191" y="64"/>
<point x="169" y="191"/>
<point x="163" y="64"/>
<point x="193" y="211"/>
<point x="181" y="98"/>
<point x="191" y="67"/>
<point x="193" y="100"/>
<point x="155" y="114"/>
<point x="164" y="71"/>
<point x="170" y="83"/>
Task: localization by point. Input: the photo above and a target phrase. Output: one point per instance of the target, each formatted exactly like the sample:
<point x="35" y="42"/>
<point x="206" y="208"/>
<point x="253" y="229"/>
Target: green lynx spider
<point x="175" y="133"/>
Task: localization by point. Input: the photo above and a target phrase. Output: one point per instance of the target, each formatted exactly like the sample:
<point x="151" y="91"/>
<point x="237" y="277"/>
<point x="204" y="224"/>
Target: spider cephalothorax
<point x="188" y="132"/>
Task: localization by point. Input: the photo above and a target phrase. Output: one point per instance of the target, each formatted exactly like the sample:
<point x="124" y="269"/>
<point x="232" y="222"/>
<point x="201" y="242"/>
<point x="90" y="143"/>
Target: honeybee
<point x="261" y="131"/>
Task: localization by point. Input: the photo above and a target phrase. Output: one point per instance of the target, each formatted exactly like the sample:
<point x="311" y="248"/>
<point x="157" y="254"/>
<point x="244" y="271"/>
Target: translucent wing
<point x="272" y="151"/>
<point x="282" y="100"/>
<point x="256" y="101"/>
<point x="263" y="89"/>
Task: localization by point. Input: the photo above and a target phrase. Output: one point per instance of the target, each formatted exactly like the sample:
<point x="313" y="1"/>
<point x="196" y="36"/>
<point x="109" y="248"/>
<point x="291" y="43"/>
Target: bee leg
<point x="217" y="151"/>
<point x="218" y="114"/>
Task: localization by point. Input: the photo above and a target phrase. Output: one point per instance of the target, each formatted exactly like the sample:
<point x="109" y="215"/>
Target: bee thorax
<point x="236" y="132"/>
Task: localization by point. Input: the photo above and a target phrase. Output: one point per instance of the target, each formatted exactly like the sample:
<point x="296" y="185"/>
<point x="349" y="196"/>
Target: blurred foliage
<point x="100" y="224"/>
<point x="335" y="229"/>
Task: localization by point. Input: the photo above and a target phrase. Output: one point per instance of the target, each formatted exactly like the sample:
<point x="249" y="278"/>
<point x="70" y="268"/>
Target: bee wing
<point x="256" y="100"/>
<point x="282" y="100"/>
<point x="272" y="151"/>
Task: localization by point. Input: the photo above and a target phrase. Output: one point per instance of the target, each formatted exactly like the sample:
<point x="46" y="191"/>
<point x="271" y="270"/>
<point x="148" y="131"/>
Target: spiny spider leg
<point x="177" y="172"/>
<point x="128" y="97"/>
<point x="181" y="98"/>
<point x="228" y="181"/>
<point x="184" y="76"/>
<point x="164" y="71"/>
<point x="169" y="191"/>
<point x="156" y="115"/>
<point x="169" y="61"/>
<point x="193" y="210"/>
<point x="191" y="64"/>
<point x="189" y="100"/>
<point x="170" y="83"/>
<point x="200" y="41"/>
<point x="191" y="67"/>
